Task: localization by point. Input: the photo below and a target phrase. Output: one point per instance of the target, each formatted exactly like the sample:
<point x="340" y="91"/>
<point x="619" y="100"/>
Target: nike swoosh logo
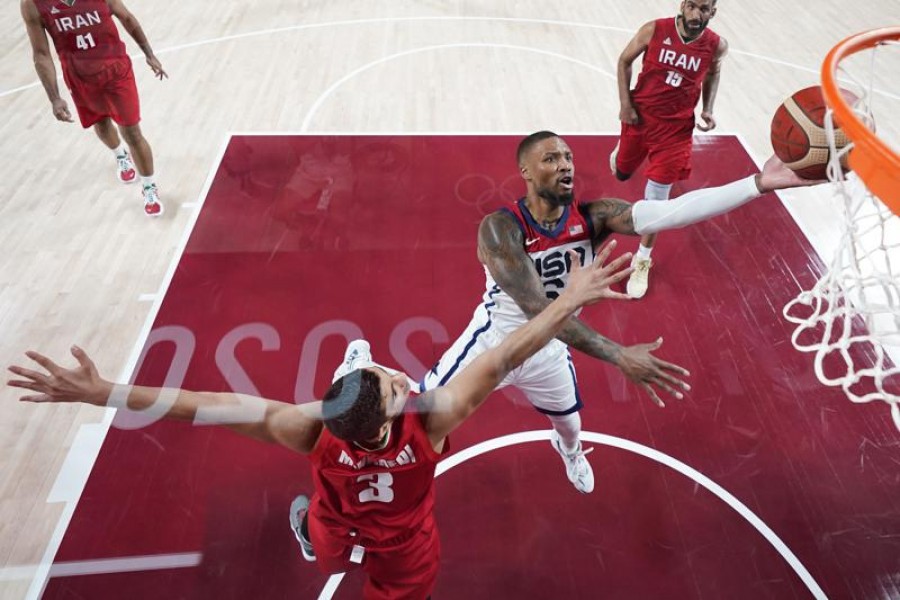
<point x="530" y="242"/>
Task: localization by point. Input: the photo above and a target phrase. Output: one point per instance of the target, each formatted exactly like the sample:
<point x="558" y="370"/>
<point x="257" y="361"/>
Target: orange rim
<point x="871" y="158"/>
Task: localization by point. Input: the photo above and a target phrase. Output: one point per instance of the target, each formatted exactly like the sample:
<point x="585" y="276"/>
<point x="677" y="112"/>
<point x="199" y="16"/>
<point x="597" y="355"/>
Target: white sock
<point x="657" y="191"/>
<point x="568" y="427"/>
<point x="147" y="181"/>
<point x="120" y="151"/>
<point x="644" y="251"/>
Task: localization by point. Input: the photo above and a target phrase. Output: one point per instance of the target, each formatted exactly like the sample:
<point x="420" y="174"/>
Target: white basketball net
<point x="850" y="319"/>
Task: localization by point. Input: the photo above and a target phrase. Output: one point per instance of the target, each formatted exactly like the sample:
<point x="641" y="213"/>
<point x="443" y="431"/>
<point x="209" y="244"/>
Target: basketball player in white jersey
<point x="524" y="249"/>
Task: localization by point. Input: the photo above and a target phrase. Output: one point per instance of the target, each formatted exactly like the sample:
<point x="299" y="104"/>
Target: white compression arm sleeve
<point x="651" y="216"/>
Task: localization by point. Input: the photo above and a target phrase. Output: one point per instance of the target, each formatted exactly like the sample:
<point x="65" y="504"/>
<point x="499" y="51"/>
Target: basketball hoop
<point x="850" y="319"/>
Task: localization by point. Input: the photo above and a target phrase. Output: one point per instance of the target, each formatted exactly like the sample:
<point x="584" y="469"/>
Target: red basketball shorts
<point x="404" y="571"/>
<point x="666" y="144"/>
<point x="111" y="92"/>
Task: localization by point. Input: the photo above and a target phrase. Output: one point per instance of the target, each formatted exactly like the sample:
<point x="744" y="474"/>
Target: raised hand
<point x="644" y="369"/>
<point x="157" y="67"/>
<point x="58" y="384"/>
<point x="709" y="122"/>
<point x="61" y="111"/>
<point x="776" y="176"/>
<point x="592" y="283"/>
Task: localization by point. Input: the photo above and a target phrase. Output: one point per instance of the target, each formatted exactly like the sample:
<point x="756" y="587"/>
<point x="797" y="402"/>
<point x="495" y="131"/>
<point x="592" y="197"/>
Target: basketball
<point x="798" y="133"/>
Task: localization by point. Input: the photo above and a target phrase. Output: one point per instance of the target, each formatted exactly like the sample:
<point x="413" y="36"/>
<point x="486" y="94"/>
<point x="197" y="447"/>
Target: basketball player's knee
<point x="132" y="135"/>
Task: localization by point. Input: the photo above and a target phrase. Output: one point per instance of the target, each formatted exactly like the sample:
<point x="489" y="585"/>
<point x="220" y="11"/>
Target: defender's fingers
<point x="25" y="385"/>
<point x="618" y="263"/>
<point x="32" y="375"/>
<point x="82" y="357"/>
<point x="618" y="276"/>
<point x="575" y="260"/>
<point x="605" y="251"/>
<point x="45" y="362"/>
<point x="617" y="296"/>
<point x="38" y="398"/>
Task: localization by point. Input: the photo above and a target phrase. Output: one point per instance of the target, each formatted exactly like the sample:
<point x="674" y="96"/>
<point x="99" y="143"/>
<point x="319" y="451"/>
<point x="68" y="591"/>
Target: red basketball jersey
<point x="384" y="495"/>
<point x="83" y="32"/>
<point x="673" y="70"/>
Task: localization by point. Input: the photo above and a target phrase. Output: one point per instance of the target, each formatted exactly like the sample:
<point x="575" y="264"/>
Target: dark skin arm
<point x="711" y="87"/>
<point x="133" y="27"/>
<point x="637" y="46"/>
<point x="43" y="61"/>
<point x="501" y="249"/>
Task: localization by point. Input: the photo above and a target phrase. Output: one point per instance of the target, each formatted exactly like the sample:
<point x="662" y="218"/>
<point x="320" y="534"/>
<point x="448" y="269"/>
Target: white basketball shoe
<point x="639" y="279"/>
<point x="358" y="355"/>
<point x="578" y="469"/>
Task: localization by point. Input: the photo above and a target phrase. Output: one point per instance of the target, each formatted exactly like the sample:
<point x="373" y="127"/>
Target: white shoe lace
<point x="150" y="194"/>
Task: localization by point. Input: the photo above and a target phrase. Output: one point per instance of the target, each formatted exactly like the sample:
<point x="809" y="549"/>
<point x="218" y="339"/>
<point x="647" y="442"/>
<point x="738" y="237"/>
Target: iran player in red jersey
<point x="99" y="75"/>
<point x="682" y="61"/>
<point x="374" y="460"/>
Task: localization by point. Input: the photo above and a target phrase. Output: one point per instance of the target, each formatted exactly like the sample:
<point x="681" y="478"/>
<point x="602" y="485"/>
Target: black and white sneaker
<point x="300" y="527"/>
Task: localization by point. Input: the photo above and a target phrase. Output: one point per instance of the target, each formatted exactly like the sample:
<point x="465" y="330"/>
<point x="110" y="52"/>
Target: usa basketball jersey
<point x="673" y="71"/>
<point x="381" y="496"/>
<point x="83" y="33"/>
<point x="548" y="250"/>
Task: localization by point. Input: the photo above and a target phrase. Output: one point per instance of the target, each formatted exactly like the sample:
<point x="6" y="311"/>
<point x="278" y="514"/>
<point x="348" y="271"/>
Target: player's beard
<point x="690" y="30"/>
<point x="557" y="199"/>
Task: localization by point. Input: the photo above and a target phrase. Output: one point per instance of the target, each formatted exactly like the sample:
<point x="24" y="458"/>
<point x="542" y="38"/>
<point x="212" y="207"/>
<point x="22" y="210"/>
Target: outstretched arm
<point x="645" y="217"/>
<point x="293" y="426"/>
<point x="43" y="62"/>
<point x="448" y="406"/>
<point x="501" y="249"/>
<point x="636" y="47"/>
<point x="711" y="87"/>
<point x="134" y="29"/>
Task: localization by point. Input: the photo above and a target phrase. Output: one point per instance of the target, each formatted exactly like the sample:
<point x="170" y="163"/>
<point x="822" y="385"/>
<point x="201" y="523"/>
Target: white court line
<point x="322" y="97"/>
<point x="126" y="564"/>
<point x="96" y="436"/>
<point x="148" y="297"/>
<point x="641" y="450"/>
<point x="391" y="20"/>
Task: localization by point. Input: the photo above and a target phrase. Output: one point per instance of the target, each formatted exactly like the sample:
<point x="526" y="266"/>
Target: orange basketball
<point x="798" y="133"/>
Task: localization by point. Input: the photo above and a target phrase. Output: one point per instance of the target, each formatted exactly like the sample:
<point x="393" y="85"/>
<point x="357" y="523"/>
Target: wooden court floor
<point x="79" y="262"/>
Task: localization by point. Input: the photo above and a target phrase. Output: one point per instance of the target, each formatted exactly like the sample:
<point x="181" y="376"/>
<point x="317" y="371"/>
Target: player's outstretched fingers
<point x="34" y="376"/>
<point x="605" y="251"/>
<point x="652" y="393"/>
<point x="45" y="362"/>
<point x="83" y="359"/>
<point x="665" y="385"/>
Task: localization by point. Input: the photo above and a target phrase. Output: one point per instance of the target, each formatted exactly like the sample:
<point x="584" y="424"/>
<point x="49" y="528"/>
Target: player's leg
<point x="640" y="277"/>
<point x="478" y="336"/>
<point x="125" y="110"/>
<point x="407" y="572"/>
<point x="109" y="135"/>
<point x="629" y="153"/>
<point x="669" y="160"/>
<point x="548" y="381"/>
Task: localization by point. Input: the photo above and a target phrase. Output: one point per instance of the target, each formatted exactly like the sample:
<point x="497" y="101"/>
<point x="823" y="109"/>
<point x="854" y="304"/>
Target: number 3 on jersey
<point x="379" y="489"/>
<point x="85" y="41"/>
<point x="674" y="79"/>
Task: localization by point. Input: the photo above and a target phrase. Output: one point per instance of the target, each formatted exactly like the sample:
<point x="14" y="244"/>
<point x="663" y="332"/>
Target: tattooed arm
<point x="501" y="249"/>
